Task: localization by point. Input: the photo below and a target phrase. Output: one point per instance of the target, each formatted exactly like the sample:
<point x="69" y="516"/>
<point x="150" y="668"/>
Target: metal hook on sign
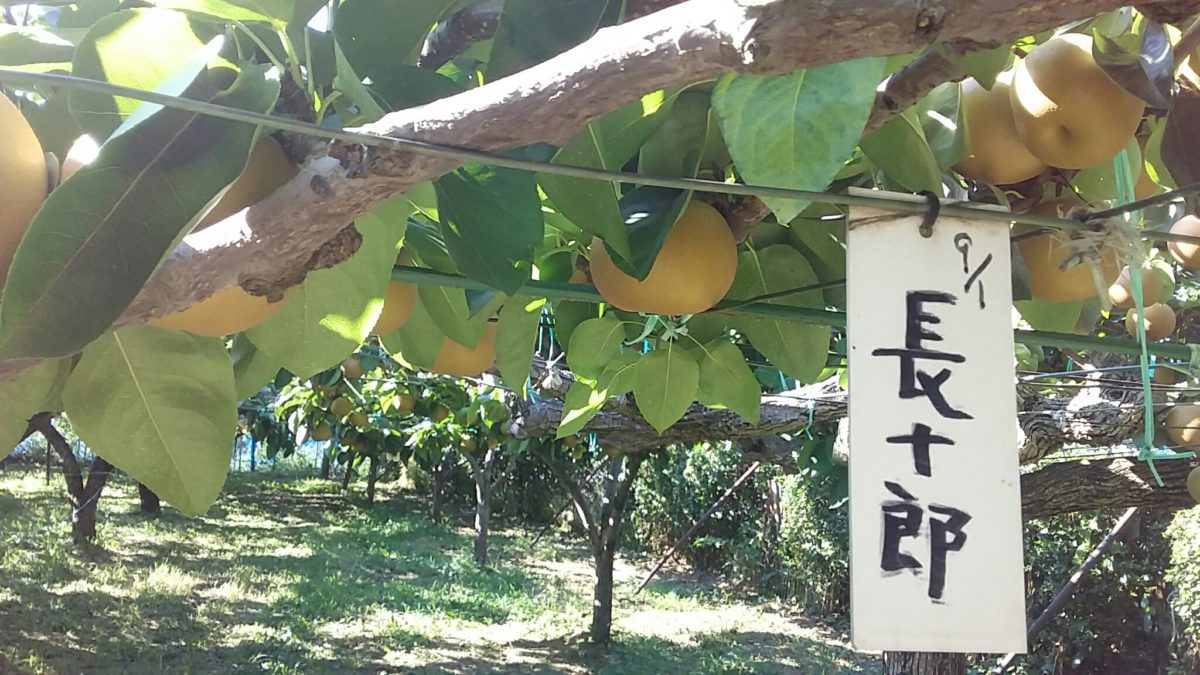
<point x="931" y="213"/>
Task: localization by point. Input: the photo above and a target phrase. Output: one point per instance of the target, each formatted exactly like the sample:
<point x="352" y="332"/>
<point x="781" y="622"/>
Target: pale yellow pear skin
<point x="23" y="180"/>
<point x="693" y="270"/>
<point x="997" y="154"/>
<point x="1067" y="111"/>
<point x="455" y="359"/>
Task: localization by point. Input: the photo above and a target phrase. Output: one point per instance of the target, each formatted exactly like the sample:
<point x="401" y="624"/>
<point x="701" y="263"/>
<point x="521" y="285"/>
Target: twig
<point x="696" y="526"/>
<point x="1068" y="588"/>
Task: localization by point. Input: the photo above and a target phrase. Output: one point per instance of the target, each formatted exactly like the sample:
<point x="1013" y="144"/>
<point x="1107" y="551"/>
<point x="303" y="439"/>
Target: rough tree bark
<point x="83" y="496"/>
<point x="481" y="471"/>
<point x="264" y="247"/>
<point x="325" y="465"/>
<point x="372" y="477"/>
<point x="148" y="500"/>
<point x="349" y="474"/>
<point x="924" y="663"/>
<point x="440" y="472"/>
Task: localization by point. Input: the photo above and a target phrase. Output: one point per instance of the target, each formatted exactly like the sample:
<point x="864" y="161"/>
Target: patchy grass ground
<point x="290" y="576"/>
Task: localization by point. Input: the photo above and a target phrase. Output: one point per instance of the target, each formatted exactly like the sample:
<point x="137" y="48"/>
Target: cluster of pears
<point x="1057" y="107"/>
<point x="342" y="408"/>
<point x="693" y="271"/>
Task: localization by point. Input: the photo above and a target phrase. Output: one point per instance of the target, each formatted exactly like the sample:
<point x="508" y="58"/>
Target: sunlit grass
<point x="287" y="575"/>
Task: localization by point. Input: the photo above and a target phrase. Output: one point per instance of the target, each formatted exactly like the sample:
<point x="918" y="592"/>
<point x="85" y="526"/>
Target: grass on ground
<point x="291" y="576"/>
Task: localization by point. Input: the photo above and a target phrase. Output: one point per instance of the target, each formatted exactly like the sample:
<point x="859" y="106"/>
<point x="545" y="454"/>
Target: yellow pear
<point x="997" y="155"/>
<point x="1067" y="110"/>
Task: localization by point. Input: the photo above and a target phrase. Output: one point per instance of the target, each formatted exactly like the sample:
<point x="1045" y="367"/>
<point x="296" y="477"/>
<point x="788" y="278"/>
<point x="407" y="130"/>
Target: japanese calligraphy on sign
<point x="935" y="512"/>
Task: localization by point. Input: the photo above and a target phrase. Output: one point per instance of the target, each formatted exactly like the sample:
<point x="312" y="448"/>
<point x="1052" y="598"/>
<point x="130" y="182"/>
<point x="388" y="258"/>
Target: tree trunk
<point x="618" y="491"/>
<point x="924" y="663"/>
<point x="82" y="496"/>
<point x="325" y="465"/>
<point x="439" y="484"/>
<point x="150" y="503"/>
<point x="348" y="474"/>
<point x="602" y="603"/>
<point x="483" y="502"/>
<point x="372" y="476"/>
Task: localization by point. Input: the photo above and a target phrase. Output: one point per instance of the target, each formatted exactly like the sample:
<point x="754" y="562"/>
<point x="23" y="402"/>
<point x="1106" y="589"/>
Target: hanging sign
<point x="936" y="561"/>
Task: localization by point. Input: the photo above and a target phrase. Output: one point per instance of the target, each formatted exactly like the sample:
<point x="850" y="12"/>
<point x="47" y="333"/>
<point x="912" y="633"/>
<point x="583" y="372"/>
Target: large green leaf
<point x="678" y="143"/>
<point x="822" y="240"/>
<point x="1060" y="317"/>
<point x="516" y="335"/>
<point x="252" y="368"/>
<point x="649" y="213"/>
<point x="336" y="308"/>
<point x="24" y="396"/>
<point x="583" y="401"/>
<point x="347" y="81"/>
<point x="21" y="45"/>
<point x="982" y="64"/>
<point x="594" y="343"/>
<point x="941" y="117"/>
<point x="532" y="31"/>
<point x="796" y="130"/>
<point x="278" y="12"/>
<point x="608" y="143"/>
<point x="797" y="349"/>
<point x="160" y="405"/>
<point x="140" y="48"/>
<point x="899" y="148"/>
<point x="665" y="385"/>
<point x="416" y="342"/>
<point x="98" y="237"/>
<point x="726" y="380"/>
<point x="379" y="35"/>
<point x="491" y="221"/>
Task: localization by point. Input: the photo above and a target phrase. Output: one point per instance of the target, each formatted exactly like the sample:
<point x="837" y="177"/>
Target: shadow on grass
<point x="307" y="581"/>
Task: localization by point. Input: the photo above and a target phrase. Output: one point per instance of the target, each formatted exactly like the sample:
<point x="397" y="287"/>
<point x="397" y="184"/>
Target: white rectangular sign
<point x="936" y="561"/>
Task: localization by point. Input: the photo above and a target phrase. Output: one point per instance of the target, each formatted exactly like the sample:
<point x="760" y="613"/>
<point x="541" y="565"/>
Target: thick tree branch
<point x="689" y="42"/>
<point x="693" y="41"/>
<point x="456" y="34"/>
<point x="1067" y="487"/>
<point x="908" y="85"/>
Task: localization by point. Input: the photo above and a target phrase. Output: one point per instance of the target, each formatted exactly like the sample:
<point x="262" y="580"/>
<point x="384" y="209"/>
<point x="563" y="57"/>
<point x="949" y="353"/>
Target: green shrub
<point x="1184" y="577"/>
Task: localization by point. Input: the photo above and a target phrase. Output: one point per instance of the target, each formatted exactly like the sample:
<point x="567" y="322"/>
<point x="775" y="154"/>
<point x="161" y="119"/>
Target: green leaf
<point x="583" y="401"/>
<point x="336" y="308"/>
<point x="516" y="337"/>
<point x="795" y="348"/>
<point x="678" y="143"/>
<point x="278" y="12"/>
<point x="665" y="385"/>
<point x="649" y="213"/>
<point x="822" y="240"/>
<point x="608" y="143"/>
<point x="726" y="380"/>
<point x="568" y="314"/>
<point x="252" y="368"/>
<point x="532" y="31"/>
<point x="491" y="220"/>
<point x="899" y="148"/>
<point x="21" y="45"/>
<point x="160" y="405"/>
<point x="982" y="64"/>
<point x="448" y="308"/>
<point x="594" y="344"/>
<point x="99" y="237"/>
<point x="416" y="342"/>
<point x="140" y="48"/>
<point x="379" y="35"/>
<point x="349" y="83"/>
<point x="1099" y="183"/>
<point x="26" y="395"/>
<point x="941" y="119"/>
<point x="796" y="130"/>
<point x="410" y="86"/>
<point x="424" y="240"/>
<point x="1060" y="317"/>
<point x="1145" y="68"/>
